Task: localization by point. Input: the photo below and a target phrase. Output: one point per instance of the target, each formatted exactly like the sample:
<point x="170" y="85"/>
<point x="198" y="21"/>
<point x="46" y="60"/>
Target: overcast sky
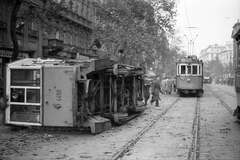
<point x="213" y="21"/>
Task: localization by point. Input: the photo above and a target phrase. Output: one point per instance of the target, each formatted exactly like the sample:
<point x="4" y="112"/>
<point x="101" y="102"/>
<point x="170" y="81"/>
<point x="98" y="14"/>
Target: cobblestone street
<point x="169" y="137"/>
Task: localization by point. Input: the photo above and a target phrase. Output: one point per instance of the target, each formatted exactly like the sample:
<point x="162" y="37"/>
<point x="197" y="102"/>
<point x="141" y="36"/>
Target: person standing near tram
<point x="156" y="88"/>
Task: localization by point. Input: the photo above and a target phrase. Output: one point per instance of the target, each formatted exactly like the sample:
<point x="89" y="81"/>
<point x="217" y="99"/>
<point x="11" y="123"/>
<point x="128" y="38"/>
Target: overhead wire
<point x="187" y="19"/>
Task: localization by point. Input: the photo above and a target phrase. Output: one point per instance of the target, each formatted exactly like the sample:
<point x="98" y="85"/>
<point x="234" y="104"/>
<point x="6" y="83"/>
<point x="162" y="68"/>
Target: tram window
<point x="194" y="69"/>
<point x="189" y="71"/>
<point x="33" y="95"/>
<point x="25" y="113"/>
<point x="25" y="77"/>
<point x="183" y="69"/>
<point x="17" y="95"/>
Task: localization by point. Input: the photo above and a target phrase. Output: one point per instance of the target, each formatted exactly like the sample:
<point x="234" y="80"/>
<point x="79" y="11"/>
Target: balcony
<point x="73" y="17"/>
<point x="55" y="43"/>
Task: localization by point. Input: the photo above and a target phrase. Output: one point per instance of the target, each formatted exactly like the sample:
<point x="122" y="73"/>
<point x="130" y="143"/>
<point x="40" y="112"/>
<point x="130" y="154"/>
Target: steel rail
<point x="222" y="102"/>
<point x="234" y="96"/>
<point x="130" y="144"/>
<point x="194" y="150"/>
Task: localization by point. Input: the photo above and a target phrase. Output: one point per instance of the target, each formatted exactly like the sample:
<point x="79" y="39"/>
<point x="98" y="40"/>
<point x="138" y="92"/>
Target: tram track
<point x="221" y="101"/>
<point x="129" y="145"/>
<point x="194" y="150"/>
<point x="234" y="96"/>
<point x="171" y="132"/>
<point x="193" y="153"/>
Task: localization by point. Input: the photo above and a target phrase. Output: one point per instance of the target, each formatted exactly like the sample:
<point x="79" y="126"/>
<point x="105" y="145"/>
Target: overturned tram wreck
<point x="72" y="93"/>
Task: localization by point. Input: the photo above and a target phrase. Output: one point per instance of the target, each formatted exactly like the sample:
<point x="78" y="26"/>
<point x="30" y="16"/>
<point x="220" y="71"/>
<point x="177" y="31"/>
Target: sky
<point x="205" y="22"/>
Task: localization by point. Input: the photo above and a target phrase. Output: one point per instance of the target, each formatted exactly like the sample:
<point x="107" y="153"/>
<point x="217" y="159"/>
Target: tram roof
<point x="189" y="59"/>
<point x="91" y="64"/>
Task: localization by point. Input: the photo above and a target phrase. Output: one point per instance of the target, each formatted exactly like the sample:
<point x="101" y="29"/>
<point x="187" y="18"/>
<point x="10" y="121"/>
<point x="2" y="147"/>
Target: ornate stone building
<point x="70" y="34"/>
<point x="211" y="52"/>
<point x="73" y="31"/>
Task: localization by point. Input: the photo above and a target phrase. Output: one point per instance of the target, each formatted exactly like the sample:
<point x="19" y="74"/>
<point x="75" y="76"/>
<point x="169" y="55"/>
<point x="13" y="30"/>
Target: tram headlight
<point x="188" y="80"/>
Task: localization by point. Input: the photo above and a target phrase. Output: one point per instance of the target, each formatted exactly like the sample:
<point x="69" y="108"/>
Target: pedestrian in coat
<point x="146" y="92"/>
<point x="2" y="104"/>
<point x="156" y="88"/>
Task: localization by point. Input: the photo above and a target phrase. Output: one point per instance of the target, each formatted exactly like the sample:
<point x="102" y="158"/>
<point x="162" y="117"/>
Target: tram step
<point x="98" y="124"/>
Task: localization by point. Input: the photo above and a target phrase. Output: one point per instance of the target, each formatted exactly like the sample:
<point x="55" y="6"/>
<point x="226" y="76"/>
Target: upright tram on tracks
<point x="236" y="52"/>
<point x="189" y="78"/>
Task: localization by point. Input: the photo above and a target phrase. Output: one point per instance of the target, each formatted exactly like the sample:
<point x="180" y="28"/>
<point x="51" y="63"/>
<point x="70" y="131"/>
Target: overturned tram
<point x="94" y="93"/>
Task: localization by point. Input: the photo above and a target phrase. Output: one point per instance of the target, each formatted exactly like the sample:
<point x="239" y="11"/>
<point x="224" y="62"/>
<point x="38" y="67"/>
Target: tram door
<point x="58" y="96"/>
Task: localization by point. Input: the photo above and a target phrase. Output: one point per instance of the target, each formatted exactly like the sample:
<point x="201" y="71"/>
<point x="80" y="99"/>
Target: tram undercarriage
<point x="186" y="92"/>
<point x="72" y="93"/>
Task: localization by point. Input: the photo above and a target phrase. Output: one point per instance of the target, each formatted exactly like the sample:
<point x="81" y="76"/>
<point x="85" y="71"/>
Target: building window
<point x="70" y="39"/>
<point x="1" y="35"/>
<point x="83" y="8"/>
<point x="57" y="1"/>
<point x="65" y="37"/>
<point x="32" y="26"/>
<point x="58" y="34"/>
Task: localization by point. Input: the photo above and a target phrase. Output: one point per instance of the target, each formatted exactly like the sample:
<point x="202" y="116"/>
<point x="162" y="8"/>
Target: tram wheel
<point x="180" y="94"/>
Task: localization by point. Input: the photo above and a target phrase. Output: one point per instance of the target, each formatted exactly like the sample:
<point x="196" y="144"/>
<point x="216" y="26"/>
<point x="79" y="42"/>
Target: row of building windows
<point x="82" y="8"/>
<point x="77" y="39"/>
<point x="217" y="51"/>
<point x="62" y="30"/>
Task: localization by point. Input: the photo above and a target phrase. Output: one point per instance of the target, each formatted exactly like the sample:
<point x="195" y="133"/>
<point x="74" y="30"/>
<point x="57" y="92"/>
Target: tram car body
<point x="207" y="79"/>
<point x="189" y="78"/>
<point x="72" y="93"/>
<point x="236" y="52"/>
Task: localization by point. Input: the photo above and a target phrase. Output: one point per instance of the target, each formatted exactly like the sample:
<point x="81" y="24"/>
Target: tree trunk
<point x="13" y="29"/>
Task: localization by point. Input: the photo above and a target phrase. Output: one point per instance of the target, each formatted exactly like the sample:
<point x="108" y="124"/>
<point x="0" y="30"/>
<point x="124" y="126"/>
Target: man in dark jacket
<point x="146" y="92"/>
<point x="156" y="88"/>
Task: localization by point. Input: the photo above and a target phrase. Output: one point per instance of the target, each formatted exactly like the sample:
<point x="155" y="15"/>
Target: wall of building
<point x="72" y="32"/>
<point x="211" y="52"/>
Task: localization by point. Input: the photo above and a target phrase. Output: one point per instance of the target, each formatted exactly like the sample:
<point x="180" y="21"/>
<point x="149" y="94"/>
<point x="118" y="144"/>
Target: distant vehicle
<point x="189" y="78"/>
<point x="236" y="55"/>
<point x="230" y="81"/>
<point x="207" y="80"/>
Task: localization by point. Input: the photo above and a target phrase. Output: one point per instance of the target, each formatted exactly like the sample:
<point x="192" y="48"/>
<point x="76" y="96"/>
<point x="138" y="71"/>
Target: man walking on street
<point x="156" y="88"/>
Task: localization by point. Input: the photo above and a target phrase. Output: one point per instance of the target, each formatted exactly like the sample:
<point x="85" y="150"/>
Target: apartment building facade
<point x="211" y="52"/>
<point x="70" y="35"/>
<point x="224" y="53"/>
<point x="226" y="56"/>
